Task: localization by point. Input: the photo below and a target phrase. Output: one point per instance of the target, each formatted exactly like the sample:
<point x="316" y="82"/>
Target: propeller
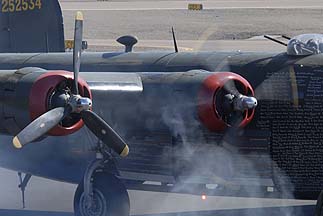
<point x="66" y="103"/>
<point x="77" y="51"/>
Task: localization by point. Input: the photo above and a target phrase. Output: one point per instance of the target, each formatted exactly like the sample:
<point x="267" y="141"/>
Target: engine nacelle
<point x="225" y="99"/>
<point x="215" y="100"/>
<point x="26" y="94"/>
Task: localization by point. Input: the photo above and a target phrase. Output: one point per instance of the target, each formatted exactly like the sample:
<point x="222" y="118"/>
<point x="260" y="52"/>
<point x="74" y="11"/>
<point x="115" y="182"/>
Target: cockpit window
<point x="305" y="44"/>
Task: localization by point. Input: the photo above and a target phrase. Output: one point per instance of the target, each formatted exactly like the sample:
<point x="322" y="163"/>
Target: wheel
<point x="319" y="205"/>
<point x="110" y="197"/>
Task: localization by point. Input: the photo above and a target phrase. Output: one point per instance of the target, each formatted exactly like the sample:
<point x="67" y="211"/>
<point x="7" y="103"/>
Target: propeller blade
<point x="40" y="126"/>
<point x="104" y="132"/>
<point x="77" y="51"/>
<point x="230" y="87"/>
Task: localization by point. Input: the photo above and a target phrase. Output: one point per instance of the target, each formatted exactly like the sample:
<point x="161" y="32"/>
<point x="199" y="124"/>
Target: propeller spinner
<point x="67" y="101"/>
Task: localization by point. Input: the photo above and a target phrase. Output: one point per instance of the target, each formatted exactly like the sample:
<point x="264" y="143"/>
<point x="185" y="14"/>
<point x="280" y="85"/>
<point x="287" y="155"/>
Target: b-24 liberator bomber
<point x="230" y="123"/>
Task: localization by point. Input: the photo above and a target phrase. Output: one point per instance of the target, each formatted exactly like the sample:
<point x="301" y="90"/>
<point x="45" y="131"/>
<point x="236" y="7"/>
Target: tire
<point x="110" y="196"/>
<point x="319" y="205"/>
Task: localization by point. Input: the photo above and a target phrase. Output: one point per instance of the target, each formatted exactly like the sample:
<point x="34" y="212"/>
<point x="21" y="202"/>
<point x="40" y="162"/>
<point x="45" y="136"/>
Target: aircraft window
<point x="305" y="44"/>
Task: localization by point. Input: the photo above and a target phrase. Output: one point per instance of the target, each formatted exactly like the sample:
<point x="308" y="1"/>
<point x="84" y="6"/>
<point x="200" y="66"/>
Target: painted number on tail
<point x="10" y="6"/>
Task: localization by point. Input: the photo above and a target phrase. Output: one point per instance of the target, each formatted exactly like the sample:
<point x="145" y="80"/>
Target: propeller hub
<point x="242" y="103"/>
<point x="79" y="103"/>
<point x="84" y="103"/>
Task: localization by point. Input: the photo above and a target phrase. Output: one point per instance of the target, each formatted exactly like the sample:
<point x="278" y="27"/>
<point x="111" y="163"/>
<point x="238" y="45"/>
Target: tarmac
<point x="227" y="27"/>
<point x="48" y="197"/>
<point x="43" y="195"/>
<point x="258" y="45"/>
<point x="292" y="211"/>
<point x="180" y="5"/>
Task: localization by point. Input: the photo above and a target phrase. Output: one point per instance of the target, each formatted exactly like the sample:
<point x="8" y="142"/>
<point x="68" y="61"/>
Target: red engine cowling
<point x="43" y="88"/>
<point x="26" y="95"/>
<point x="211" y="92"/>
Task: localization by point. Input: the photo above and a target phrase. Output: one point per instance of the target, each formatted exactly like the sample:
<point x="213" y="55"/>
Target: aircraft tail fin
<point x="31" y="26"/>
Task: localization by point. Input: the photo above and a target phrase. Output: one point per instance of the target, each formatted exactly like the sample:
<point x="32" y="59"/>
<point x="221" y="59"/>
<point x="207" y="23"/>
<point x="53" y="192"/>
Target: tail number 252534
<point x="9" y="6"/>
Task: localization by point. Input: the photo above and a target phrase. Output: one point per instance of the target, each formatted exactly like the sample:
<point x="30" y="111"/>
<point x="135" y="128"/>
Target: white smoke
<point x="216" y="161"/>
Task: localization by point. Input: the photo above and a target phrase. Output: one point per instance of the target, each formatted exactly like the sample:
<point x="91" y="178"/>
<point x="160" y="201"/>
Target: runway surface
<point x="179" y="5"/>
<point x="205" y="25"/>
<point x="290" y="211"/>
<point x="214" y="29"/>
<point x="52" y="196"/>
<point x="257" y="45"/>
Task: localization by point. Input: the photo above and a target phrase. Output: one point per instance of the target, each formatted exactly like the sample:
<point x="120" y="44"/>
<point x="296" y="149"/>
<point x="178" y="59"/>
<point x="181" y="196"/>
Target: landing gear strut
<point x="23" y="184"/>
<point x="101" y="193"/>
